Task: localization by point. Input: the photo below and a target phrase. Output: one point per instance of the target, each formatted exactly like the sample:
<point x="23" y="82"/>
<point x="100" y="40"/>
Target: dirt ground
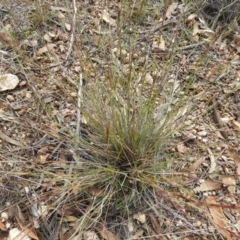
<point x="52" y="54"/>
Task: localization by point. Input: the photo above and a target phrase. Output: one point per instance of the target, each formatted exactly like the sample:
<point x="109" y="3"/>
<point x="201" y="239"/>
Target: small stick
<point x="73" y="30"/>
<point x="160" y="25"/>
<point x="78" y="130"/>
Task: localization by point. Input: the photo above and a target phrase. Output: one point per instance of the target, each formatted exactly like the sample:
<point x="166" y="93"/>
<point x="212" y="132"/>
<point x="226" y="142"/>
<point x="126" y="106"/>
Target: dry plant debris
<point x="119" y="120"/>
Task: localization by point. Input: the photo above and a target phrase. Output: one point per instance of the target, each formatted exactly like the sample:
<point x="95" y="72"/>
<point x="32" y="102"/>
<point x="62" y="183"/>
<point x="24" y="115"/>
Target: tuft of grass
<point x="125" y="150"/>
<point x="123" y="156"/>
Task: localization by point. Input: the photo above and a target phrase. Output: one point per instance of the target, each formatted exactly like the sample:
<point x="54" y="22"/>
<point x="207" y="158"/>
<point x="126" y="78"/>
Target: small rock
<point x="211" y="229"/>
<point x="23" y="83"/>
<point x="10" y="98"/>
<point x="202" y="133"/>
<point x="148" y="78"/>
<point x="8" y="82"/>
<point x="28" y="95"/>
<point x="197" y="224"/>
<point x="4" y="216"/>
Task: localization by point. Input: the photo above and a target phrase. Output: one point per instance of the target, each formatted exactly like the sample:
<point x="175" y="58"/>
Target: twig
<point x="73" y="30"/>
<point x="161" y="25"/>
<point x="188" y="46"/>
<point x="4" y="52"/>
<point x="183" y="48"/>
<point x="78" y="130"/>
<point x="6" y="138"/>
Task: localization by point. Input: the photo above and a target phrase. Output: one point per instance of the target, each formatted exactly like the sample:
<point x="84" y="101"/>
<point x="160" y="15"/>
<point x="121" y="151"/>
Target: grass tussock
<point x="124" y="151"/>
<point x="122" y="160"/>
<point x="127" y="138"/>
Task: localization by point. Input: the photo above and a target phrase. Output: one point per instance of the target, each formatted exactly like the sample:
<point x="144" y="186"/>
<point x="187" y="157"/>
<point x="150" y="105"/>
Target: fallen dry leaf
<point x="27" y="230"/>
<point x="140" y="217"/>
<point x="207" y="33"/>
<point x="207" y="185"/>
<point x="106" y="234"/>
<point x="2" y="226"/>
<point x="60" y="16"/>
<point x="43" y="158"/>
<point x="212" y="160"/>
<point x="90" y="235"/>
<point x="107" y="18"/>
<point x="237" y="124"/>
<point x="30" y="43"/>
<point x="71" y="219"/>
<point x="49" y="47"/>
<point x="156" y="225"/>
<point x="196" y="29"/>
<point x="231" y="189"/>
<point x="159" y="44"/>
<point x="47" y="37"/>
<point x="16" y="234"/>
<point x="218" y="216"/>
<point x="43" y="150"/>
<point x="96" y="192"/>
<point x="196" y="164"/>
<point x="229" y="181"/>
<point x="181" y="147"/>
<point x="171" y="10"/>
<point x="191" y="18"/>
<point x="42" y="50"/>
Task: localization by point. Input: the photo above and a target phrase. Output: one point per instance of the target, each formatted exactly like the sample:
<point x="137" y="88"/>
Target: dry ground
<point x="69" y="56"/>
